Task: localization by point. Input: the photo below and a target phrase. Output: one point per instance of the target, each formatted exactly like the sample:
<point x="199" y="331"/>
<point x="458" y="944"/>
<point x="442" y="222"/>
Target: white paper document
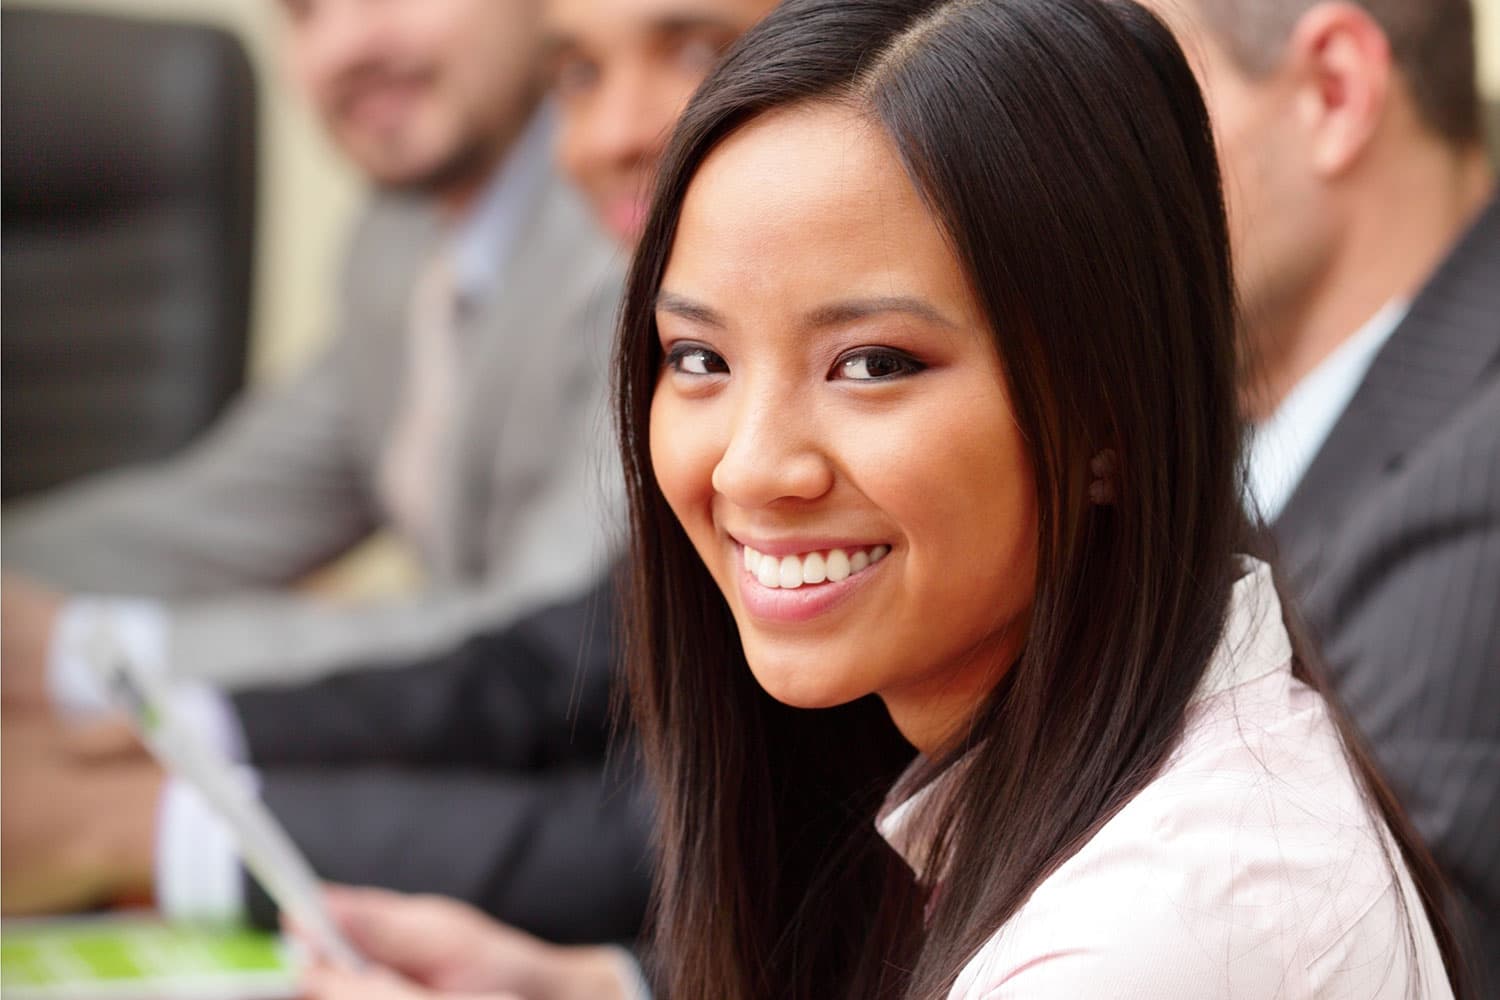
<point x="265" y="847"/>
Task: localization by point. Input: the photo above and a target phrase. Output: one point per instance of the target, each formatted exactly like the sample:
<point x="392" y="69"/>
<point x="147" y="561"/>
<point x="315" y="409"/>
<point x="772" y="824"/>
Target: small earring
<point x="1104" y="467"/>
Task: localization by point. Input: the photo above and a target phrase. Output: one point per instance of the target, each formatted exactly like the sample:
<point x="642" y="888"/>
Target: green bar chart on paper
<point x="128" y="957"/>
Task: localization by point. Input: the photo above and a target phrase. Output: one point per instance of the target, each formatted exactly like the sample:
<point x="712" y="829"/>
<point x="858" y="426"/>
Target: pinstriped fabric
<point x="1392" y="544"/>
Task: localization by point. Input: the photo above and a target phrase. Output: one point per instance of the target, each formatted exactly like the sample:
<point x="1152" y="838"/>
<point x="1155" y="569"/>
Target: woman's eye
<point x="691" y="360"/>
<point x="874" y="364"/>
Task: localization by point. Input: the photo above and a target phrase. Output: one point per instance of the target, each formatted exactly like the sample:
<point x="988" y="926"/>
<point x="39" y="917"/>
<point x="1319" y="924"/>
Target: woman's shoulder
<point x="1249" y="867"/>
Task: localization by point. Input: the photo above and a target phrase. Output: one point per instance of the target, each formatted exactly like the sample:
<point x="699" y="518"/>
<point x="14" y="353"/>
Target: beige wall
<point x="1489" y="45"/>
<point x="308" y="196"/>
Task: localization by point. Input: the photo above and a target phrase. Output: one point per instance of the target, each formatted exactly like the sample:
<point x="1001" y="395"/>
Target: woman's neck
<point x="933" y="710"/>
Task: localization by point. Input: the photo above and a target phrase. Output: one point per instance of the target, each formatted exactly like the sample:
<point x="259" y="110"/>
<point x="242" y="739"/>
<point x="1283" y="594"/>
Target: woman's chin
<point x="801" y="687"/>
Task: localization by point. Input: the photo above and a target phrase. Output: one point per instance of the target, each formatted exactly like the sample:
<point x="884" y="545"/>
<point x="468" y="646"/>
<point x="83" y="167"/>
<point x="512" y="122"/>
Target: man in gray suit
<point x="459" y="403"/>
<point x="1367" y="241"/>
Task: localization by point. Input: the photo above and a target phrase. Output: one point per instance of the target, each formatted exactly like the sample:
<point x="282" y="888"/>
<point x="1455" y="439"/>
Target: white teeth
<point x="768" y="572"/>
<point x="790" y="572"/>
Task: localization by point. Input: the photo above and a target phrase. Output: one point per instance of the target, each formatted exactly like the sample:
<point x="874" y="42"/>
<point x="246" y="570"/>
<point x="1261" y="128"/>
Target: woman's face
<point x="831" y="427"/>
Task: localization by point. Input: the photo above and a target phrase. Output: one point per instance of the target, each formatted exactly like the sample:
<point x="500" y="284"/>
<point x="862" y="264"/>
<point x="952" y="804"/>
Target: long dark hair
<point x="1064" y="147"/>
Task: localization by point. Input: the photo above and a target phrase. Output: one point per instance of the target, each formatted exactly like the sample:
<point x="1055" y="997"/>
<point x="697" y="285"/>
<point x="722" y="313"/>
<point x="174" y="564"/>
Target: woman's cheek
<point x="682" y="455"/>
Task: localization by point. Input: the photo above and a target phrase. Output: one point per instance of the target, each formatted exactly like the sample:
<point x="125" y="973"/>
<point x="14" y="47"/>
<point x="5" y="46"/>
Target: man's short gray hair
<point x="1432" y="42"/>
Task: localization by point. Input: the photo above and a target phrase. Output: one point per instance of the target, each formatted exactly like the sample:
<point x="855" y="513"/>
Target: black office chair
<point x="129" y="209"/>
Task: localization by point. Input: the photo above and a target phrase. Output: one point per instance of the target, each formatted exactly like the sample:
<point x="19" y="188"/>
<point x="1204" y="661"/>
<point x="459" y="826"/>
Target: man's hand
<point x="79" y="820"/>
<point x="433" y="943"/>
<point x="28" y="613"/>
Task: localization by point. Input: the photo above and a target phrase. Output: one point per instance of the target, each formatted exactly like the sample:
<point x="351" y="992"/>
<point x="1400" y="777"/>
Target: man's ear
<point x="1343" y="72"/>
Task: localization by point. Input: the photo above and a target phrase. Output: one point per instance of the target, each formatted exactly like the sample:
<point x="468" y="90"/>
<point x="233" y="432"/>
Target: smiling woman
<point x="926" y="402"/>
<point x="808" y="405"/>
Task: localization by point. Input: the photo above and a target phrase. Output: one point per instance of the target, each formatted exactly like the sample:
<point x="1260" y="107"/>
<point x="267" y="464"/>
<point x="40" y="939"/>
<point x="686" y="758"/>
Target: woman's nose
<point x="773" y="455"/>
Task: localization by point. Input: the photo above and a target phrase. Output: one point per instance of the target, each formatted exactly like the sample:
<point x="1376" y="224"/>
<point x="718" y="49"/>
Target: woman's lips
<point x="797" y="588"/>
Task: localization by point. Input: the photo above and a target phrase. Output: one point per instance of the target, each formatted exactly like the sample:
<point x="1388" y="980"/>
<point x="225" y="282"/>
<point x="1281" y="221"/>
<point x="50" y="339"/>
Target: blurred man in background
<point x="621" y="73"/>
<point x="1367" y="245"/>
<point x="477" y="774"/>
<point x="459" y="403"/>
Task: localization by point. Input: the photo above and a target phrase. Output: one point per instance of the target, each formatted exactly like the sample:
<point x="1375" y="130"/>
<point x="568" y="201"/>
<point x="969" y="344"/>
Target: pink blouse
<point x="1249" y="868"/>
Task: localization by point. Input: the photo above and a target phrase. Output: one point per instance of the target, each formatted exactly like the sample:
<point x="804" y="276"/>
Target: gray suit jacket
<point x="287" y="480"/>
<point x="1392" y="543"/>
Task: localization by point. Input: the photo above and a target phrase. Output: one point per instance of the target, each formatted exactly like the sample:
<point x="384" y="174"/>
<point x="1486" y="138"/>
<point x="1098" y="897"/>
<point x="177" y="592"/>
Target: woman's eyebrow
<point x="853" y="310"/>
<point x="831" y="315"/>
<point x="688" y="309"/>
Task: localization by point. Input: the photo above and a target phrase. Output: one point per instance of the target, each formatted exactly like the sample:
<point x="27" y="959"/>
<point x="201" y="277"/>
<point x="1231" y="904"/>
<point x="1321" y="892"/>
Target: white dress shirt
<point x="197" y="870"/>
<point x="1250" y="867"/>
<point x="1283" y="446"/>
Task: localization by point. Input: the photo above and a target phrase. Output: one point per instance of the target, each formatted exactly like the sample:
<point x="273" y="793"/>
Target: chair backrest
<point x="129" y="211"/>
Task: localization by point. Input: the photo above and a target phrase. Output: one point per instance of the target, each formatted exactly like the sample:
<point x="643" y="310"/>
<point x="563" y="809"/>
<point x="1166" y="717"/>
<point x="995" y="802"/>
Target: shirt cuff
<point x="77" y="692"/>
<point x="73" y="682"/>
<point x="197" y="866"/>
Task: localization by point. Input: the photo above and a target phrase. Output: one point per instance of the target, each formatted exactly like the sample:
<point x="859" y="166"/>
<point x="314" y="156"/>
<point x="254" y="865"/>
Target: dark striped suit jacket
<point x="1392" y="545"/>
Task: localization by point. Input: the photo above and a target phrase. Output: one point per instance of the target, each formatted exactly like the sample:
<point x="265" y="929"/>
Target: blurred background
<point x="305" y="201"/>
<point x="307" y="193"/>
<point x="307" y="197"/>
